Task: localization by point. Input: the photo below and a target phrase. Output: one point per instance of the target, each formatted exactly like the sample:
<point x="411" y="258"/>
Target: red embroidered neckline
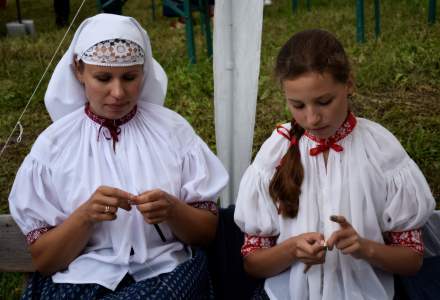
<point x="345" y="129"/>
<point x="103" y="121"/>
<point x="324" y="144"/>
<point x="111" y="125"/>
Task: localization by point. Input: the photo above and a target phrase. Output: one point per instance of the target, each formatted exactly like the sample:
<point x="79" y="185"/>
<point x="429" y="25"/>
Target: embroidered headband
<point x="114" y="53"/>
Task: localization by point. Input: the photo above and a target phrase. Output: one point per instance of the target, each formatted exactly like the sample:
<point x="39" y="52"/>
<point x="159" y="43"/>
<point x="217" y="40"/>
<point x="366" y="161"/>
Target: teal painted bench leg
<point x="377" y="24"/>
<point x="206" y="25"/>
<point x="189" y="32"/>
<point x="294" y="6"/>
<point x="202" y="7"/>
<point x="360" y="23"/>
<point x="110" y="6"/>
<point x="432" y="6"/>
<point x="309" y="5"/>
<point x="153" y="10"/>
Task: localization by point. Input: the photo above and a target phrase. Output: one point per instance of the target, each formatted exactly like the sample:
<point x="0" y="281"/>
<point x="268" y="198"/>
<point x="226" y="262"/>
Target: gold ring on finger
<point x="107" y="209"/>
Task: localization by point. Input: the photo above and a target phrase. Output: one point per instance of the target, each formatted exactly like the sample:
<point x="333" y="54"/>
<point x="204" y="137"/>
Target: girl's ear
<point x="350" y="84"/>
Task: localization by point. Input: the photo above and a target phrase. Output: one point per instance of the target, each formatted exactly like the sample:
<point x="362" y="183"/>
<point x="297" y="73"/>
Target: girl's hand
<point x="309" y="249"/>
<point x="104" y="203"/>
<point x="346" y="239"/>
<point x="156" y="205"/>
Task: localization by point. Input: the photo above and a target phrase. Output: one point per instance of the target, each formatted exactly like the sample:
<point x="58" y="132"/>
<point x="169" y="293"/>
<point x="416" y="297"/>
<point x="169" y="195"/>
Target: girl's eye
<point x="296" y="105"/>
<point x="325" y="102"/>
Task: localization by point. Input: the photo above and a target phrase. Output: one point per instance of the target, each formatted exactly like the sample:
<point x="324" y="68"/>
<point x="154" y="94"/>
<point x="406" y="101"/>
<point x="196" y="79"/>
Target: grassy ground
<point x="398" y="77"/>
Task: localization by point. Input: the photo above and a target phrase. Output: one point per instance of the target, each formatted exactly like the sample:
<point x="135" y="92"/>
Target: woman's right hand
<point x="309" y="248"/>
<point x="104" y="203"/>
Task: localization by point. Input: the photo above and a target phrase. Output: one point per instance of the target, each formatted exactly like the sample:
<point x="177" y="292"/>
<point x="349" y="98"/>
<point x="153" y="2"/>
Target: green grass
<point x="397" y="77"/>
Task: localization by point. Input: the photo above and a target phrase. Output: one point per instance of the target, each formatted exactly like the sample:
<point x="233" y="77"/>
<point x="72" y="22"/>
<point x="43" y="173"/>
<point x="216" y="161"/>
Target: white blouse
<point x="156" y="149"/>
<point x="372" y="182"/>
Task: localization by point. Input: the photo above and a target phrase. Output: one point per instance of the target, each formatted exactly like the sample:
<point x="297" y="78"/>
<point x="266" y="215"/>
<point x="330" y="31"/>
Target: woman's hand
<point x="309" y="249"/>
<point x="156" y="206"/>
<point x="104" y="204"/>
<point x="347" y="239"/>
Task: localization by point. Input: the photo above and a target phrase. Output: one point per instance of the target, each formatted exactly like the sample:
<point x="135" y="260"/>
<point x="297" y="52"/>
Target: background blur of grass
<point x="398" y="77"/>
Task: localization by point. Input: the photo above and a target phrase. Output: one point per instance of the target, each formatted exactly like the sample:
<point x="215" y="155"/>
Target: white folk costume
<point x="369" y="179"/>
<point x="150" y="148"/>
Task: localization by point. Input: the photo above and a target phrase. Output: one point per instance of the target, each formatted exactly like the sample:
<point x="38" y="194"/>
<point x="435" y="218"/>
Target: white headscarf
<point x="65" y="93"/>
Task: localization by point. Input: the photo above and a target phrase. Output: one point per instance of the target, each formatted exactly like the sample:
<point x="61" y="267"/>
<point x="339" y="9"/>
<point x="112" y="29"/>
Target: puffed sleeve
<point x="255" y="211"/>
<point x="33" y="202"/>
<point x="409" y="201"/>
<point x="203" y="175"/>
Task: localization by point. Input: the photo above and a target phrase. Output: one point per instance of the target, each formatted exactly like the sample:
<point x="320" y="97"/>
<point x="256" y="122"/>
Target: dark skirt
<point x="189" y="280"/>
<point x="260" y="293"/>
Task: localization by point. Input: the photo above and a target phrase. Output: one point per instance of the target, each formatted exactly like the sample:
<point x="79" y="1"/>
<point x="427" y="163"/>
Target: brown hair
<point x="307" y="51"/>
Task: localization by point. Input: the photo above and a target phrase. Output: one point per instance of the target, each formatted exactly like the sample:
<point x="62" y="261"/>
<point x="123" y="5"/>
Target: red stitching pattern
<point x="345" y="129"/>
<point x="111" y="125"/>
<point x="254" y="242"/>
<point x="206" y="205"/>
<point x="327" y="143"/>
<point x="411" y="239"/>
<point x="34" y="235"/>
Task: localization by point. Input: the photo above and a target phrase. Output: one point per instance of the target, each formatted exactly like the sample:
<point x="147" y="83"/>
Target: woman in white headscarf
<point x="115" y="189"/>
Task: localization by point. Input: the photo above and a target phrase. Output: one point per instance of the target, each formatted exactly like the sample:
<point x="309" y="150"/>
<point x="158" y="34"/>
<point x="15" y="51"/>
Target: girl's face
<point x="111" y="91"/>
<point x="317" y="102"/>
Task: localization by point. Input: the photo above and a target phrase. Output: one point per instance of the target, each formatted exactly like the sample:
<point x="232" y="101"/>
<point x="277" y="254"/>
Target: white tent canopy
<point x="237" y="47"/>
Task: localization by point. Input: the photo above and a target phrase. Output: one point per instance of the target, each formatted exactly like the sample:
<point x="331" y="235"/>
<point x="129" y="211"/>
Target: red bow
<point x="324" y="147"/>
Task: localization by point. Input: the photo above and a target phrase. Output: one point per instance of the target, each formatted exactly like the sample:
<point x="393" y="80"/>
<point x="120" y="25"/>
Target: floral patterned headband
<point x="114" y="53"/>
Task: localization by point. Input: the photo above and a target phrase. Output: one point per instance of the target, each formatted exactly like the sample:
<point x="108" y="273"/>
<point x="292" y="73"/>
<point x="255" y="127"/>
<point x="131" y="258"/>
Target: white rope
<point x="18" y="124"/>
<point x="21" y="132"/>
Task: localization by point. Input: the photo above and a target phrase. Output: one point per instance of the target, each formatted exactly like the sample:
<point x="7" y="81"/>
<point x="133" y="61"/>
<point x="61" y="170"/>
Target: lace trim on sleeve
<point x="411" y="239"/>
<point x="35" y="234"/>
<point x="254" y="242"/>
<point x="206" y="205"/>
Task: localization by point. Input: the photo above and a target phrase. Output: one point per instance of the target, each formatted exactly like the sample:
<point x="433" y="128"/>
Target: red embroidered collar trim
<point x="103" y="121"/>
<point x="323" y="144"/>
<point x="327" y="143"/>
<point x="111" y="125"/>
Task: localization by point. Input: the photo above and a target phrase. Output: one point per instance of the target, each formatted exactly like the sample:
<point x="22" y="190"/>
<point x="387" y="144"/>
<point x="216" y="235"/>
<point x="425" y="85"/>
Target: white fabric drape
<point x="237" y="43"/>
<point x="372" y="182"/>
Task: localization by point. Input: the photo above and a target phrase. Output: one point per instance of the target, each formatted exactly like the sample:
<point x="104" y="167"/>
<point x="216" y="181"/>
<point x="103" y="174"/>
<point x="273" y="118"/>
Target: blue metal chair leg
<point x="189" y="32"/>
<point x="360" y="23"/>
<point x="432" y="11"/>
<point x="377" y="25"/>
<point x="206" y="25"/>
<point x="294" y="5"/>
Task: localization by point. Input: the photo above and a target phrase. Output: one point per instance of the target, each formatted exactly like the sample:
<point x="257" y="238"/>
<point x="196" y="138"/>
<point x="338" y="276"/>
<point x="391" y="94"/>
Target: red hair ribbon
<point x="286" y="133"/>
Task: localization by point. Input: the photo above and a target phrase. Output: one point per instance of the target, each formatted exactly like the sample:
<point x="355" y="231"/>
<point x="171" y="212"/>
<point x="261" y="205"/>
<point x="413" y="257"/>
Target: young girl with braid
<point x="332" y="205"/>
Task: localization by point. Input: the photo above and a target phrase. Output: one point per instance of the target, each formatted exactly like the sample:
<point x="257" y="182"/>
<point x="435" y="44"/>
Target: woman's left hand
<point x="346" y="239"/>
<point x="156" y="205"/>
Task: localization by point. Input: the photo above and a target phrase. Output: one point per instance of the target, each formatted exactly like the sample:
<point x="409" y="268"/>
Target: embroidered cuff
<point x="254" y="242"/>
<point x="35" y="234"/>
<point x="206" y="205"/>
<point x="411" y="239"/>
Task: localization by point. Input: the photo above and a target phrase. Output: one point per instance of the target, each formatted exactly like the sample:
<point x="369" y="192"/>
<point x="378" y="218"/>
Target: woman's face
<point x="111" y="91"/>
<point x="317" y="102"/>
